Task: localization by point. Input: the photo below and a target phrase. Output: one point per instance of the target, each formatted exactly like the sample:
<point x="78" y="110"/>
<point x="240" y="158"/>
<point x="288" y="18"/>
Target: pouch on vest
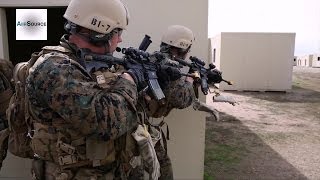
<point x="100" y="152"/>
<point x="146" y="144"/>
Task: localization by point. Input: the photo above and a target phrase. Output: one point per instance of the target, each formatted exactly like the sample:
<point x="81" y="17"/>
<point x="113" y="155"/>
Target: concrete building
<point x="186" y="145"/>
<point x="315" y="60"/>
<point x="254" y="61"/>
<point x="295" y="61"/>
<point x="305" y="61"/>
<point x="310" y="60"/>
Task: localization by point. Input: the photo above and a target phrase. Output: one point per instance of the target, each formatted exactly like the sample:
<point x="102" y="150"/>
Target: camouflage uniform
<point x="179" y="94"/>
<point x="6" y="92"/>
<point x="81" y="129"/>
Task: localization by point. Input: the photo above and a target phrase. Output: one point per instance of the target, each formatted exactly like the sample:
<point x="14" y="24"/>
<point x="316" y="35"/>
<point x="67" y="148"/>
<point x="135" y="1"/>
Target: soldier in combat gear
<point x="81" y="121"/>
<point x="176" y="42"/>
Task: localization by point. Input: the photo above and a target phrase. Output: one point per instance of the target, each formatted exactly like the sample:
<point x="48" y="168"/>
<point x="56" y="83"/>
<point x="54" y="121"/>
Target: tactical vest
<point x="72" y="150"/>
<point x="126" y="145"/>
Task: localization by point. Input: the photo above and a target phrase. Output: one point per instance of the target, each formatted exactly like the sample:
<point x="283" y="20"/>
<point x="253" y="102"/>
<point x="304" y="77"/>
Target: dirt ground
<point x="269" y="135"/>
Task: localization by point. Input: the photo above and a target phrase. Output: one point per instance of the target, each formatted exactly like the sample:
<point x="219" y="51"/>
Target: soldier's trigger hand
<point x="195" y="74"/>
<point x="214" y="76"/>
<point x="138" y="77"/>
<point x="168" y="73"/>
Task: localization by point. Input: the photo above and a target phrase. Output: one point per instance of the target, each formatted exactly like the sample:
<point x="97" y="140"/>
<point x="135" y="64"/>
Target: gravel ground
<point x="269" y="135"/>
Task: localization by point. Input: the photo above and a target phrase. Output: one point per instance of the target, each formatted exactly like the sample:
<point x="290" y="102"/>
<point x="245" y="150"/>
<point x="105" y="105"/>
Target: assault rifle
<point x="207" y="75"/>
<point x="133" y="59"/>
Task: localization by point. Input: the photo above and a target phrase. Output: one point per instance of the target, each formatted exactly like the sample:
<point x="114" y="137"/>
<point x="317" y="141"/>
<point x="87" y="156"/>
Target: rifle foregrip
<point x="204" y="86"/>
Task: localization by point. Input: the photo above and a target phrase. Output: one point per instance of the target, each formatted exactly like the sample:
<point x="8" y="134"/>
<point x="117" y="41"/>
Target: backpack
<point x="6" y="68"/>
<point x="18" y="113"/>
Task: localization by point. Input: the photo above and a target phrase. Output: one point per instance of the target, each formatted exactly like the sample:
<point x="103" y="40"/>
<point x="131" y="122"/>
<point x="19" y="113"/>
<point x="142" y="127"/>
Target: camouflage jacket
<point x="66" y="97"/>
<point x="62" y="92"/>
<point x="179" y="94"/>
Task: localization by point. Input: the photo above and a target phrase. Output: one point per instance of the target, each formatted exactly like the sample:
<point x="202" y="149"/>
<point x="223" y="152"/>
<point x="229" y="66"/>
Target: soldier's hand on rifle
<point x="135" y="70"/>
<point x="194" y="77"/>
<point x="167" y="73"/>
<point x="214" y="76"/>
<point x="138" y="77"/>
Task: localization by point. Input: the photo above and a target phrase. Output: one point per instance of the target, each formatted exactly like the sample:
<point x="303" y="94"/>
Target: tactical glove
<point x="136" y="71"/>
<point x="167" y="73"/>
<point x="214" y="76"/>
<point x="138" y="77"/>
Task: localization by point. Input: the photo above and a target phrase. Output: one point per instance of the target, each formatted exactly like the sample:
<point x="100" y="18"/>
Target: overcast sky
<point x="299" y="16"/>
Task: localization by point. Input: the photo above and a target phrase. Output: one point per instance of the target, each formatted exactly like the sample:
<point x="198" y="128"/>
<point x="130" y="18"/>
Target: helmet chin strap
<point x="107" y="45"/>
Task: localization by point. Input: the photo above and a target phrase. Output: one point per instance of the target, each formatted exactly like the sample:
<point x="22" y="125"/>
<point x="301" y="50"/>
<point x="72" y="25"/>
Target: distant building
<point x="316" y="60"/>
<point x="311" y="60"/>
<point x="254" y="61"/>
<point x="305" y="61"/>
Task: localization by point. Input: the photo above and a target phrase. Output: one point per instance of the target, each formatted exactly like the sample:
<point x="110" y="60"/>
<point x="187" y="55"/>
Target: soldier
<point x="175" y="42"/>
<point x="6" y="91"/>
<point x="81" y="120"/>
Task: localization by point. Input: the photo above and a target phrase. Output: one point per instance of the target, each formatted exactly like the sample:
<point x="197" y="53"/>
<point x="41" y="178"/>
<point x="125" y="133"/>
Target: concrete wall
<point x="14" y="168"/>
<point x="187" y="127"/>
<point x="315" y="60"/>
<point x="295" y="59"/>
<point x="4" y="51"/>
<point x="310" y="60"/>
<point x="305" y="61"/>
<point x="257" y="61"/>
<point x="216" y="50"/>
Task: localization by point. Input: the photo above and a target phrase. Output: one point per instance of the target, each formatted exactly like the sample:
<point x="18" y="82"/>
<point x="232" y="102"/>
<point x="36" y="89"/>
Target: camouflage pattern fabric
<point x="165" y="162"/>
<point x="53" y="172"/>
<point x="6" y="91"/>
<point x="2" y="85"/>
<point x="3" y="129"/>
<point x="179" y="94"/>
<point x="6" y="85"/>
<point x="180" y="86"/>
<point x="59" y="89"/>
<point x="136" y="173"/>
<point x="3" y="88"/>
<point x="64" y="96"/>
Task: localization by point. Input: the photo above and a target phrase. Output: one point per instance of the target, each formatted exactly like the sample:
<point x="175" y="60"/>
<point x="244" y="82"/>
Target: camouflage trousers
<point x="164" y="161"/>
<point x="45" y="170"/>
